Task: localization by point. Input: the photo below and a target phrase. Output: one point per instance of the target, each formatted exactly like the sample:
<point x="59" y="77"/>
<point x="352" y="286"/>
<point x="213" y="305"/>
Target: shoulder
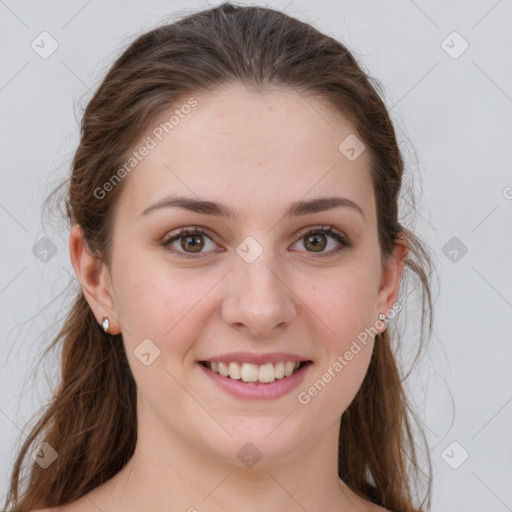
<point x="376" y="508"/>
<point x="55" y="509"/>
<point x="79" y="505"/>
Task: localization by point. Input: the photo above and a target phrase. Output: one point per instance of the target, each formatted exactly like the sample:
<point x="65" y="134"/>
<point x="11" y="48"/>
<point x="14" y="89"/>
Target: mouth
<point x="251" y="373"/>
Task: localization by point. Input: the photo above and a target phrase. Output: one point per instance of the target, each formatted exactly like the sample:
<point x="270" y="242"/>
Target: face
<point x="253" y="293"/>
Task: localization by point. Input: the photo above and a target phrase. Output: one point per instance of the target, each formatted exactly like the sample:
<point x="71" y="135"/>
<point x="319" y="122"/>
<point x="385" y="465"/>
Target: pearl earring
<point x="105" y="323"/>
<point x="383" y="317"/>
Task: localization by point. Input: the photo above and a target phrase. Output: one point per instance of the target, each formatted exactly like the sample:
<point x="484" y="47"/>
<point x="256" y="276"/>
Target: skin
<point x="256" y="152"/>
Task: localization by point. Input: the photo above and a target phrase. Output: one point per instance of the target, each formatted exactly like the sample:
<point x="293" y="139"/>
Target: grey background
<point x="453" y="117"/>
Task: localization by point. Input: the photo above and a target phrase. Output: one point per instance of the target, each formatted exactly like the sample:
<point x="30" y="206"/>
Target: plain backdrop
<point x="446" y="73"/>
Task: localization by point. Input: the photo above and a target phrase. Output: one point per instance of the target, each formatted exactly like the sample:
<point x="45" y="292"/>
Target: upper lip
<point x="258" y="359"/>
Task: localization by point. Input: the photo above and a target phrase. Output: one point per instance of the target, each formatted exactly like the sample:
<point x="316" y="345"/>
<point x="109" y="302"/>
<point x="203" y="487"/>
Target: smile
<point x="248" y="372"/>
<point x="252" y="381"/>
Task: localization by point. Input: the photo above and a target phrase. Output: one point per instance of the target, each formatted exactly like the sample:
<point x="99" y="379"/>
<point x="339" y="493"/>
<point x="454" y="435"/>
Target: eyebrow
<point x="296" y="209"/>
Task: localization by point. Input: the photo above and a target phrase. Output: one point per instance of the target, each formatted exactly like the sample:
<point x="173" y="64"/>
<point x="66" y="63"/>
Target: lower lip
<point x="257" y="390"/>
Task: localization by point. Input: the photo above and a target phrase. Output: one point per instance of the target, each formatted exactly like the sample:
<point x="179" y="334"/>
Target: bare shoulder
<point x="376" y="508"/>
<point x="55" y="509"/>
<point x="82" y="504"/>
<point x="61" y="508"/>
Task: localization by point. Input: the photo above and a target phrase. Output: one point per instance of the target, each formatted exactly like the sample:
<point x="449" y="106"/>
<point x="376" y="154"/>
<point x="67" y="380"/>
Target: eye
<point x="316" y="240"/>
<point x="191" y="241"/>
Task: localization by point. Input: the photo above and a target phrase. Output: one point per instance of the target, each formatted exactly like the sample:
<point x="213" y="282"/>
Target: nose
<point x="258" y="298"/>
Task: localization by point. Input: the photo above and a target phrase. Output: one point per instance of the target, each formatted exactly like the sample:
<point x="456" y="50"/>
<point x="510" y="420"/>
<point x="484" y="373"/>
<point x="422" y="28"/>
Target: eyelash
<point x="324" y="230"/>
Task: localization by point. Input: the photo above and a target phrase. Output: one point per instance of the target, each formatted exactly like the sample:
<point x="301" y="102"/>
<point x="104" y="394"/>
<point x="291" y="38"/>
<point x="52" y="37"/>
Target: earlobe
<point x="94" y="279"/>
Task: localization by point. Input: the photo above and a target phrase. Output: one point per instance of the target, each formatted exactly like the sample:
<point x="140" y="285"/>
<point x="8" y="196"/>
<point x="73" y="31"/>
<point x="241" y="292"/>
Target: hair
<point x="91" y="417"/>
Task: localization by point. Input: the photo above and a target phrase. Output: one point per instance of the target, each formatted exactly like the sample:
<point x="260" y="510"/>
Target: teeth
<point x="288" y="368"/>
<point x="248" y="372"/>
<point x="279" y="370"/>
<point x="234" y="371"/>
<point x="266" y="373"/>
<point x="223" y="369"/>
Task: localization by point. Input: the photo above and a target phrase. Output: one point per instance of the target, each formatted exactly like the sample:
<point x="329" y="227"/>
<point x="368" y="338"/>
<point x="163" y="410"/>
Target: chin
<point x="263" y="441"/>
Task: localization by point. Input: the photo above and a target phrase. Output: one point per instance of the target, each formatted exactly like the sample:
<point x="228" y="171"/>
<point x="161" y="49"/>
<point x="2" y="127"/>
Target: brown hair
<point x="91" y="418"/>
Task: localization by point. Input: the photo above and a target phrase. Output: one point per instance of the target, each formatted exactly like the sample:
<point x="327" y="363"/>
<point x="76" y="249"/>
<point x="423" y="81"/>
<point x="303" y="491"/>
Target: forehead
<point x="257" y="150"/>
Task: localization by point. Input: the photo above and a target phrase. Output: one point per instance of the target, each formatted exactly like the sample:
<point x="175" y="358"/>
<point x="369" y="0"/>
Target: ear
<point x="94" y="278"/>
<point x="391" y="275"/>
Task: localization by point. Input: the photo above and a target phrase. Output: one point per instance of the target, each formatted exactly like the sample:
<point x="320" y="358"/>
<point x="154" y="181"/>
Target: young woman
<point x="233" y="207"/>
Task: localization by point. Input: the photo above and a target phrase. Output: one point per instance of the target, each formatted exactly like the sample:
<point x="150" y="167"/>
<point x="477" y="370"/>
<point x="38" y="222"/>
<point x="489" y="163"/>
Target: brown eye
<point x="192" y="243"/>
<point x="316" y="242"/>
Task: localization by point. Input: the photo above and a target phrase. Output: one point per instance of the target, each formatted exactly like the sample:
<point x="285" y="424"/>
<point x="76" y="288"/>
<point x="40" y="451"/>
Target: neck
<point x="166" y="469"/>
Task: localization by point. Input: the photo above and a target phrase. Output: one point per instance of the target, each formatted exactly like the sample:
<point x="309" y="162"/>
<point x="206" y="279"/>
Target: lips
<point x="256" y="368"/>
<point x="269" y="383"/>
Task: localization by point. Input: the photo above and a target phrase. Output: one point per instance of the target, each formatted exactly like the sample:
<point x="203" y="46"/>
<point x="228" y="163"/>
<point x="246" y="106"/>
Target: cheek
<point x="163" y="304"/>
<point x="347" y="377"/>
<point x="336" y="381"/>
<point x="345" y="306"/>
<point x="344" y="303"/>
